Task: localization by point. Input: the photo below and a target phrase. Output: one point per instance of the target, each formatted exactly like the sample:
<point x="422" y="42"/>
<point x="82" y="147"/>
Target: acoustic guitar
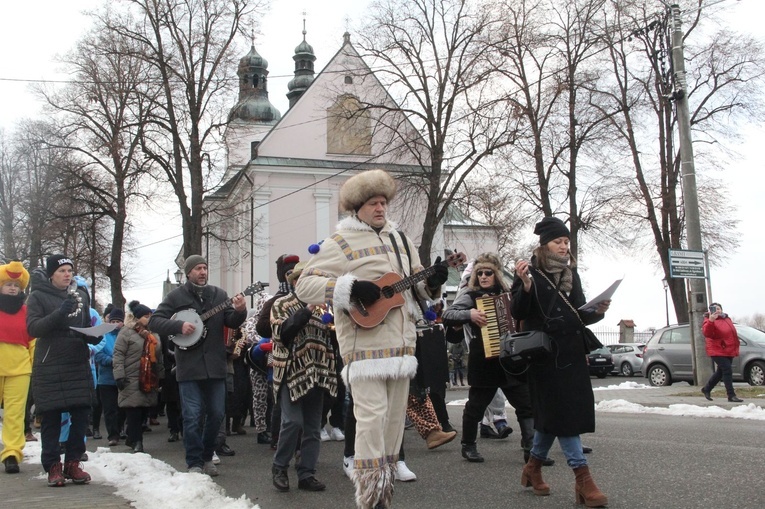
<point x="187" y="341"/>
<point x="392" y="286"/>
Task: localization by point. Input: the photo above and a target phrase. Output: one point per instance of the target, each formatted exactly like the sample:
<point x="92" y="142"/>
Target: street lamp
<point x="178" y="276"/>
<point x="666" y="299"/>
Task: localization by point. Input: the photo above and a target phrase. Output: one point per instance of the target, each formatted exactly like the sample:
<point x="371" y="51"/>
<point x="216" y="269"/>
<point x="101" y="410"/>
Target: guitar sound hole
<point x="387" y="292"/>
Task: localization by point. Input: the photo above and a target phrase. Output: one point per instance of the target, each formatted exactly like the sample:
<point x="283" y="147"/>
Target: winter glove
<point x="440" y="276"/>
<point x="122" y="383"/>
<point x="365" y="292"/>
<point x="67" y="306"/>
<point x="266" y="347"/>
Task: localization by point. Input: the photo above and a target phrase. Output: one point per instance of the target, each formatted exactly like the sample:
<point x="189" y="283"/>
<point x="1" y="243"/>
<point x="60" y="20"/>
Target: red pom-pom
<point x="266" y="347"/>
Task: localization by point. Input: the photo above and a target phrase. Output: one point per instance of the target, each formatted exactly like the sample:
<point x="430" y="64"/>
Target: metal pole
<point x="666" y="299"/>
<point x="697" y="295"/>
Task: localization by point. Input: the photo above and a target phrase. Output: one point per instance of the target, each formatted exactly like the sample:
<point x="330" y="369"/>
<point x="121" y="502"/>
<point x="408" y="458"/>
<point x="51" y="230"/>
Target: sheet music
<point x="605" y="295"/>
<point x="98" y="330"/>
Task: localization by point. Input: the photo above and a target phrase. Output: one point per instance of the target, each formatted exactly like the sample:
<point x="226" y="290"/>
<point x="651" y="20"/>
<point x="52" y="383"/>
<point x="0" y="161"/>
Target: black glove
<point x="67" y="306"/>
<point x="440" y="276"/>
<point x="122" y="383"/>
<point x="365" y="291"/>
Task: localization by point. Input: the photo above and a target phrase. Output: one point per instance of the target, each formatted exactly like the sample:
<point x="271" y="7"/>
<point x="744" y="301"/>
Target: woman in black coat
<point x="546" y="296"/>
<point x="62" y="380"/>
<point x="485" y="376"/>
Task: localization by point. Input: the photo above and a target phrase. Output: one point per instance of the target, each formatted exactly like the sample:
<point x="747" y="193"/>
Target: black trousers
<point x="114" y="416"/>
<point x="134" y="417"/>
<point x="51" y="430"/>
<point x="480" y="397"/>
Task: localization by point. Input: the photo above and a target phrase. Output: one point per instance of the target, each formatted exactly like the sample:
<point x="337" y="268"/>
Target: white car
<point x="628" y="357"/>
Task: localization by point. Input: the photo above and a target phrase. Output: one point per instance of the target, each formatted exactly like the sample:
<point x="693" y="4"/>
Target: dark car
<point x="668" y="356"/>
<point x="601" y="362"/>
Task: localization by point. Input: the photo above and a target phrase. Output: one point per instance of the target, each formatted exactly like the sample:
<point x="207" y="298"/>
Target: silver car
<point x="668" y="358"/>
<point x="627" y="357"/>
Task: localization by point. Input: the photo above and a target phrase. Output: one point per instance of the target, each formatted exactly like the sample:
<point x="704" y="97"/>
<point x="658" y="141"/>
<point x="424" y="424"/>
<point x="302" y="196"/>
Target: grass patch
<point x="719" y="392"/>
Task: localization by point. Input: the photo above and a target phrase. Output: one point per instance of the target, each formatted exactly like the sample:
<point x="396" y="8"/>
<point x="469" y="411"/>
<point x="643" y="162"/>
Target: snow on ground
<point x="148" y="482"/>
<point x="748" y="411"/>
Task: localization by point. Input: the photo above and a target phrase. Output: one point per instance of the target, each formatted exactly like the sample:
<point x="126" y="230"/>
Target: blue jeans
<point x="572" y="448"/>
<point x="203" y="404"/>
<point x="723" y="372"/>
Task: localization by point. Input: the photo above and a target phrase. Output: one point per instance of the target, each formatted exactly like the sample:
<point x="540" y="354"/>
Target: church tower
<point x="304" y="72"/>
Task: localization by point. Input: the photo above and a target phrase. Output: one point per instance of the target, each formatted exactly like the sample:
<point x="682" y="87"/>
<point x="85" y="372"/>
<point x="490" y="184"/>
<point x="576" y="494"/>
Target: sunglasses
<point x="486" y="273"/>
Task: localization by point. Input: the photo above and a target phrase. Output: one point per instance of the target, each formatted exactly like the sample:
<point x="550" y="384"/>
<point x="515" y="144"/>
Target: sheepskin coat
<point x="128" y="349"/>
<point x="357" y="251"/>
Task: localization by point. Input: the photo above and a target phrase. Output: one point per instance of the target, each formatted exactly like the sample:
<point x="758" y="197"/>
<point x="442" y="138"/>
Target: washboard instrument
<point x="187" y="341"/>
<point x="500" y="322"/>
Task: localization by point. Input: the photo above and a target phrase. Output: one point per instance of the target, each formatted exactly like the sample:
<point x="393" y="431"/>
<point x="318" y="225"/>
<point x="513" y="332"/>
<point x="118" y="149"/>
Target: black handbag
<point x="519" y="349"/>
<point x="591" y="341"/>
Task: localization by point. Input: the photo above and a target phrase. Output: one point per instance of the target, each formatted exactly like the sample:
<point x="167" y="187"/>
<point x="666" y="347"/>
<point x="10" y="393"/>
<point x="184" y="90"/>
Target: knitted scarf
<point x="558" y="266"/>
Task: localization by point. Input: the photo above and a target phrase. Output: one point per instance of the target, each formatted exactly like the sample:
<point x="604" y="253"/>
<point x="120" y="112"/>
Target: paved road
<point x="639" y="460"/>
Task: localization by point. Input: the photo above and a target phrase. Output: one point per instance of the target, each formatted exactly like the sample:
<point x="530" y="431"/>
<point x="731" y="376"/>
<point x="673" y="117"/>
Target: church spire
<point x="253" y="105"/>
<point x="304" y="72"/>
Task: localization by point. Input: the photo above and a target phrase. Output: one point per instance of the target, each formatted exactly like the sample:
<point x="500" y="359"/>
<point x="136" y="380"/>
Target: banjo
<point x="188" y="341"/>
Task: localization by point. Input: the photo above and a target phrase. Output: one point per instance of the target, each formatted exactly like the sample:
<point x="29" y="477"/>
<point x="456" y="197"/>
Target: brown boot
<point x="437" y="438"/>
<point x="532" y="476"/>
<point x="73" y="471"/>
<point x="586" y="491"/>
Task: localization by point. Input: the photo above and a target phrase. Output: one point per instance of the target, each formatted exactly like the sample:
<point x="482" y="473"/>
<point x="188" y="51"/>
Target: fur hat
<point x="117" y="314"/>
<point x="292" y="278"/>
<point x="365" y="185"/>
<point x="55" y="261"/>
<point x="550" y="228"/>
<point x="191" y="262"/>
<point x="284" y="263"/>
<point x="14" y="271"/>
<point x="139" y="310"/>
<point x="487" y="261"/>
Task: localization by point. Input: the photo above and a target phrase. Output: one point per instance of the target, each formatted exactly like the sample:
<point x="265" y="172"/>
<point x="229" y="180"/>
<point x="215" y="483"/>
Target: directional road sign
<point x="684" y="263"/>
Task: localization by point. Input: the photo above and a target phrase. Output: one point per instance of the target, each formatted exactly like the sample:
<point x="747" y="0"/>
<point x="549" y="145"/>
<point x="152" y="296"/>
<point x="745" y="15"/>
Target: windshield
<point x="751" y="334"/>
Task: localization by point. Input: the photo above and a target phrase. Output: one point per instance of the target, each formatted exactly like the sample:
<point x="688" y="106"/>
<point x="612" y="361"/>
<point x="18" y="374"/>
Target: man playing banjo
<point x="200" y="358"/>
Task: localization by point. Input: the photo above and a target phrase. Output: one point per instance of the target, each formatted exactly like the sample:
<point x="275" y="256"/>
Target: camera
<point x="712" y="309"/>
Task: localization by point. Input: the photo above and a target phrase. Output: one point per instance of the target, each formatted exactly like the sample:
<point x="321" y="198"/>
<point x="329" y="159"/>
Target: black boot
<point x="470" y="453"/>
<point x="138" y="447"/>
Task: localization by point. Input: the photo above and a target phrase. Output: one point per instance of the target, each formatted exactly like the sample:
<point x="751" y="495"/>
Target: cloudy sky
<point x="36" y="32"/>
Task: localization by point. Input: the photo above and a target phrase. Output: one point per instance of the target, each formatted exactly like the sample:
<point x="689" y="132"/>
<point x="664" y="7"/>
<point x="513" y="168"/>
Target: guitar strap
<point x="409" y="256"/>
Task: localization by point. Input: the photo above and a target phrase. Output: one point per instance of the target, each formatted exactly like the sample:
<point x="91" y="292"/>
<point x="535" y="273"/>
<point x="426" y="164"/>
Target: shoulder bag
<point x="519" y="349"/>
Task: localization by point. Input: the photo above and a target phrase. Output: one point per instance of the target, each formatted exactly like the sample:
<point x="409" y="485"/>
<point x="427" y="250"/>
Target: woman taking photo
<point x="138" y="367"/>
<point x="61" y="377"/>
<point x="485" y="376"/>
<point x="16" y="351"/>
<point x="546" y="295"/>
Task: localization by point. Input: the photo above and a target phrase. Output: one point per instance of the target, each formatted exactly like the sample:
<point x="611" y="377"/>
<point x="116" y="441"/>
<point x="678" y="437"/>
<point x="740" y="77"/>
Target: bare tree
<point x="189" y="45"/>
<point x="724" y="69"/>
<point x="100" y="118"/>
<point x="435" y="58"/>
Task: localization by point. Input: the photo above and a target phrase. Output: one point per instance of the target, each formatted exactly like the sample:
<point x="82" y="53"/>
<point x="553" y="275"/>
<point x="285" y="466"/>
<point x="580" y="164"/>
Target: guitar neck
<point x="217" y="309"/>
<point x="412" y="280"/>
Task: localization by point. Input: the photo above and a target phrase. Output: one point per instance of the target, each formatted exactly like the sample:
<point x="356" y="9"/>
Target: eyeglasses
<point x="486" y="273"/>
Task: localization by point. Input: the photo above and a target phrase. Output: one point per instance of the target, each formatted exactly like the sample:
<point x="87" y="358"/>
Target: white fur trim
<point x="341" y="298"/>
<point x="374" y="369"/>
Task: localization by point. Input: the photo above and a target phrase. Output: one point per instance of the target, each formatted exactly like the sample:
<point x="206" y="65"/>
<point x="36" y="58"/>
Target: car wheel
<point x="658" y="376"/>
<point x="627" y="369"/>
<point x="756" y="373"/>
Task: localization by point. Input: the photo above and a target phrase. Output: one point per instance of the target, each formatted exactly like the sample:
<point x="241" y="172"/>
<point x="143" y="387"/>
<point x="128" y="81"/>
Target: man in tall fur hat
<point x="379" y="360"/>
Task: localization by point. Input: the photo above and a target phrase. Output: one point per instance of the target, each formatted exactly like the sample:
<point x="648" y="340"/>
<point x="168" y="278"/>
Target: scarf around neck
<point x="11" y="304"/>
<point x="558" y="266"/>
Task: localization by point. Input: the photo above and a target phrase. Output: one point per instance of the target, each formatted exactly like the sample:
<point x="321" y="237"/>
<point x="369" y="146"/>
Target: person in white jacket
<point x="379" y="359"/>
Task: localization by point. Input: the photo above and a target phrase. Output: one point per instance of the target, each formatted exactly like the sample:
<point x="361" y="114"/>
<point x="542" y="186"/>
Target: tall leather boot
<point x="532" y="476"/>
<point x="527" y="437"/>
<point x="586" y="491"/>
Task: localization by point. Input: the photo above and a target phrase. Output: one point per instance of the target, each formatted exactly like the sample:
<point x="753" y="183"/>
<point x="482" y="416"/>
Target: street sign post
<point x="686" y="263"/>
